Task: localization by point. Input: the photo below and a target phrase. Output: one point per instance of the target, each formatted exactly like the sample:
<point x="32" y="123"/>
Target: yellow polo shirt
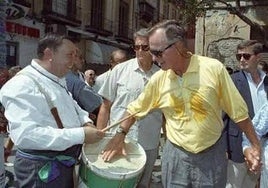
<point x="193" y="104"/>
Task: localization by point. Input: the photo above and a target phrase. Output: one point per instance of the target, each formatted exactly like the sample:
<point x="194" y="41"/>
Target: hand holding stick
<point x="120" y="121"/>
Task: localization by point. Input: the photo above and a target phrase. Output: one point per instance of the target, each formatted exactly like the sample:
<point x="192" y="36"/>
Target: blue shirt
<point x="260" y="122"/>
<point x="84" y="95"/>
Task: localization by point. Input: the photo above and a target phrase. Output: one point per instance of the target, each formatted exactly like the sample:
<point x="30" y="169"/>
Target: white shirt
<point x="124" y="84"/>
<point x="31" y="123"/>
<point x="101" y="79"/>
<point x="258" y="93"/>
<point x="2" y="161"/>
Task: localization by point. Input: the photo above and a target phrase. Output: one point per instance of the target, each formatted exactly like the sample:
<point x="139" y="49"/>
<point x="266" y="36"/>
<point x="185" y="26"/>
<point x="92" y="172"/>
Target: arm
<point x="92" y="134"/>
<point x="116" y="145"/>
<point x="252" y="154"/>
<point x="89" y="99"/>
<point x="104" y="114"/>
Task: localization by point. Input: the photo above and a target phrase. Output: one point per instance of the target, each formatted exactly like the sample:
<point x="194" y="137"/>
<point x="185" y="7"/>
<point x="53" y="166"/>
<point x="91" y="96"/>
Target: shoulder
<point x="19" y="84"/>
<point x="124" y="67"/>
<point x="237" y="75"/>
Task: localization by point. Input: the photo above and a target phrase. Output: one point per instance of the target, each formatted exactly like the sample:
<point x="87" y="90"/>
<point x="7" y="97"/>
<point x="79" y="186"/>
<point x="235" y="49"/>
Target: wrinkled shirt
<point x="31" y="123"/>
<point x="257" y="92"/>
<point x="193" y="104"/>
<point x="260" y="123"/>
<point x="101" y="79"/>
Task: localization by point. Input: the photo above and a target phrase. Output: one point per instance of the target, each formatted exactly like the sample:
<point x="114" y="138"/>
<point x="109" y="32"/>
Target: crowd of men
<point x="216" y="122"/>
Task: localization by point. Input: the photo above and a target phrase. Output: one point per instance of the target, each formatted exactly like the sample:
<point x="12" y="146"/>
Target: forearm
<point x="104" y="114"/>
<point x="247" y="127"/>
<point x="128" y="122"/>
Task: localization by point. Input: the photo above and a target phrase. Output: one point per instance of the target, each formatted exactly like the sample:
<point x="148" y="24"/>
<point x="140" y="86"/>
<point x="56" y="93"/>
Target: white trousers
<point x="2" y="167"/>
<point x="238" y="176"/>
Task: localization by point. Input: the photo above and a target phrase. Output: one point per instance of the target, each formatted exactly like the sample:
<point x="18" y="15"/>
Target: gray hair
<point x="173" y="31"/>
<point x="143" y="32"/>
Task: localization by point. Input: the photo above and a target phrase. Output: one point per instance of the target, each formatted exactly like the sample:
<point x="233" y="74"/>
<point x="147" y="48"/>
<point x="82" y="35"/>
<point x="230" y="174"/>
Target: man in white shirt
<point x="124" y="84"/>
<point x="45" y="123"/>
<point x="90" y="77"/>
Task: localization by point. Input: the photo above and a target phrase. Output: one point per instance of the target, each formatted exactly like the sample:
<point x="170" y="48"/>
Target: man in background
<point x="90" y="77"/>
<point x="82" y="93"/>
<point x="250" y="83"/>
<point x="124" y="84"/>
<point x="117" y="56"/>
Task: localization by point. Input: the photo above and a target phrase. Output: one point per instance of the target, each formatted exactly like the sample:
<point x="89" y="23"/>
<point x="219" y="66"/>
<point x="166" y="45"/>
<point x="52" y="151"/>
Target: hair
<point x="117" y="51"/>
<point x="143" y="32"/>
<point x="173" y="31"/>
<point x="255" y="45"/>
<point x="14" y="70"/>
<point x="264" y="65"/>
<point x="52" y="41"/>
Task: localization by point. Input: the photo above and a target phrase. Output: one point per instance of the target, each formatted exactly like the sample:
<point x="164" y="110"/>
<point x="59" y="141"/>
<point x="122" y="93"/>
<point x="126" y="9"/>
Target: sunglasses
<point x="142" y="47"/>
<point x="159" y="53"/>
<point x="245" y="56"/>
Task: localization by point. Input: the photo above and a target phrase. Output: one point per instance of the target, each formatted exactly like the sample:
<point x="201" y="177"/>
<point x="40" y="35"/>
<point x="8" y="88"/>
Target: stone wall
<point x="219" y="32"/>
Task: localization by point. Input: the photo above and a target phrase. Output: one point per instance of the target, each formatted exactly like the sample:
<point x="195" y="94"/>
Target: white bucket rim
<point x="115" y="175"/>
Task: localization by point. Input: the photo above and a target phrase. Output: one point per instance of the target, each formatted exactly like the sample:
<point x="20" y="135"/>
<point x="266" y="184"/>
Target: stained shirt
<point x="260" y="122"/>
<point x="124" y="84"/>
<point x="193" y="104"/>
<point x="31" y="123"/>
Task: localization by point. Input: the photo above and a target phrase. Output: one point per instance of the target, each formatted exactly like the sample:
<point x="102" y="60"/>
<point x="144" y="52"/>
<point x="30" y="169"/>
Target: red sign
<point x="22" y="30"/>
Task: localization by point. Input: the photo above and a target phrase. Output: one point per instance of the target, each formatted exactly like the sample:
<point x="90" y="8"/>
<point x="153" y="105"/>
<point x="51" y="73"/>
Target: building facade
<point x="220" y="30"/>
<point x="98" y="26"/>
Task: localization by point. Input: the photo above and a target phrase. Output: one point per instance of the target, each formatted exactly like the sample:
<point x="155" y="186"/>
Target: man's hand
<point x="92" y="134"/>
<point x="253" y="159"/>
<point x="114" y="147"/>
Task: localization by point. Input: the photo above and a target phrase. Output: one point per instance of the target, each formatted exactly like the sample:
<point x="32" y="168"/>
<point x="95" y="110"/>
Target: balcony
<point x="124" y="35"/>
<point x="146" y="11"/>
<point x="23" y="3"/>
<point x="101" y="27"/>
<point x="60" y="14"/>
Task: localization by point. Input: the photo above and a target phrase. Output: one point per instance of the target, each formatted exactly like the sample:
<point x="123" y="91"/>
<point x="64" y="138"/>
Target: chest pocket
<point x="128" y="91"/>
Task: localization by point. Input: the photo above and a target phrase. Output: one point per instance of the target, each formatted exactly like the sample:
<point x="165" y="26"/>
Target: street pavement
<point x="156" y="177"/>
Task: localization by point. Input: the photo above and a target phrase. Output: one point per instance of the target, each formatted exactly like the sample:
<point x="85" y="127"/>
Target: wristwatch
<point x="120" y="130"/>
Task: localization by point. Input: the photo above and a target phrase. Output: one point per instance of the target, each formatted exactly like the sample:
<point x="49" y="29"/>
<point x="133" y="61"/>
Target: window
<point x="11" y="56"/>
<point x="60" y="6"/>
<point x="123" y="19"/>
<point x="97" y="14"/>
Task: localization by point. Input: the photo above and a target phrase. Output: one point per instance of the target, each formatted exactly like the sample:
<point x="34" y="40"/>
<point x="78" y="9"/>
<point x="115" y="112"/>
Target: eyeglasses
<point x="142" y="47"/>
<point x="245" y="56"/>
<point x="159" y="53"/>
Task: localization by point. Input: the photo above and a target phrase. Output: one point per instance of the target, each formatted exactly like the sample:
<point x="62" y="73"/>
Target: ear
<point x="258" y="57"/>
<point x="48" y="53"/>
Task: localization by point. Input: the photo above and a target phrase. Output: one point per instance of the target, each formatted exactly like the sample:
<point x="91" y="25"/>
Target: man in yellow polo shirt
<point x="192" y="91"/>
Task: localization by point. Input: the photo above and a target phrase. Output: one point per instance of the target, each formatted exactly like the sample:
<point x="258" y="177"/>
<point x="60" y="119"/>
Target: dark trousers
<point x="26" y="172"/>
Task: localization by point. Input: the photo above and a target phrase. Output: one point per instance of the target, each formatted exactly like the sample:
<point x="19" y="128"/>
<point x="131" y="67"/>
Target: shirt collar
<point x="193" y="65"/>
<point x="46" y="73"/>
<point x="261" y="73"/>
<point x="136" y="67"/>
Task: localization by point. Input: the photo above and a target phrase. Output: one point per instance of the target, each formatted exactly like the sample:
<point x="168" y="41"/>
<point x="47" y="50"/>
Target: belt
<point x="49" y="171"/>
<point x="203" y="151"/>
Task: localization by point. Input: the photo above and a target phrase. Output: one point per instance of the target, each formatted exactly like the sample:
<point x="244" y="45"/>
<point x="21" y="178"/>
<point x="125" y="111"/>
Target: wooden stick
<point x="120" y="121"/>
